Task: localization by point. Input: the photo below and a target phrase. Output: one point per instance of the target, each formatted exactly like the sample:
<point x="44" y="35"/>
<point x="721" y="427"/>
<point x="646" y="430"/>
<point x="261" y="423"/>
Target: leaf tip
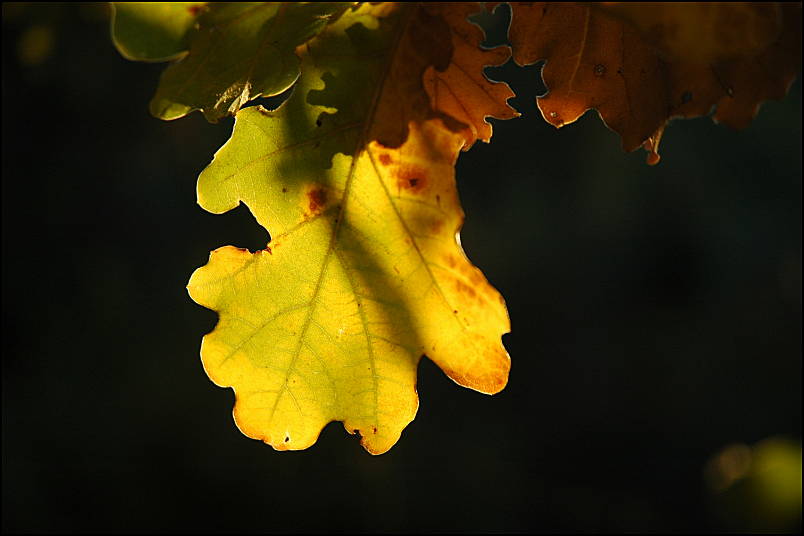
<point x="651" y="145"/>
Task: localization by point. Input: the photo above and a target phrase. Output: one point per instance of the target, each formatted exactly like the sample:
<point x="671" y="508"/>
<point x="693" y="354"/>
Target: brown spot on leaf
<point x="411" y="179"/>
<point x="194" y="9"/>
<point x="317" y="199"/>
<point x="385" y="159"/>
<point x="600" y="70"/>
<point x="465" y="289"/>
<point x="284" y="190"/>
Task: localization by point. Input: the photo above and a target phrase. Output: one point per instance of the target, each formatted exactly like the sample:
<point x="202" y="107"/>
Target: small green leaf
<point x="153" y="31"/>
<point x="239" y="51"/>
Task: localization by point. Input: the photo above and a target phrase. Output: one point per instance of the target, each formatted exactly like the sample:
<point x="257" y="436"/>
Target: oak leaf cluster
<point x="353" y="175"/>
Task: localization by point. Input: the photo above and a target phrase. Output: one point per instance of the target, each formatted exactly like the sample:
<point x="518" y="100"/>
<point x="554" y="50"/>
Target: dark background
<point x="655" y="319"/>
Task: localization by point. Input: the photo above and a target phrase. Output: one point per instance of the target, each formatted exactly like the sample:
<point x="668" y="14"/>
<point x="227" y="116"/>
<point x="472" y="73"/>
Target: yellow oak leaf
<point x="354" y="178"/>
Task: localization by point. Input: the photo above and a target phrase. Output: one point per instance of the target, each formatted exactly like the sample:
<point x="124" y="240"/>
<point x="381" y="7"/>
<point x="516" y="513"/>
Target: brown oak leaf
<point x="596" y="58"/>
<point x="462" y="90"/>
<point x="437" y="72"/>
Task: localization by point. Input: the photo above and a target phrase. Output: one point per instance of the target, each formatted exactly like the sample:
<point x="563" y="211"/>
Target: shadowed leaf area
<point x="232" y="52"/>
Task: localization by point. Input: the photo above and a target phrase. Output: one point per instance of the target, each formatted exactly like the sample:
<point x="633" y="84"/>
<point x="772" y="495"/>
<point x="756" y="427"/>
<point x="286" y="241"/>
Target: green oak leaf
<point x="229" y="52"/>
<point x="153" y="31"/>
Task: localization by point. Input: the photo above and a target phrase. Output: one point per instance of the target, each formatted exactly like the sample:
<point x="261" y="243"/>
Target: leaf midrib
<point x="359" y="146"/>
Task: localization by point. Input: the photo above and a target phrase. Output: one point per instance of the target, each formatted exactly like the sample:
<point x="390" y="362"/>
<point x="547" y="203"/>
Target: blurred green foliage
<point x="758" y="488"/>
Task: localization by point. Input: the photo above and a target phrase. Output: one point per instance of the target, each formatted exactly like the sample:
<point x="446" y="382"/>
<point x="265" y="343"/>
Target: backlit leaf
<point x="638" y="81"/>
<point x="354" y="178"/>
<point x="462" y="91"/>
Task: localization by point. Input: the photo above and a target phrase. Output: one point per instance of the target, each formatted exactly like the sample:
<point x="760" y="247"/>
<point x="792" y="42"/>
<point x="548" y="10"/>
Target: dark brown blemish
<point x="411" y="179"/>
<point x="268" y="249"/>
<point x="385" y="159"/>
<point x="317" y="198"/>
<point x="600" y="70"/>
<point x="686" y="97"/>
<point x="193" y="10"/>
<point x="287" y="439"/>
<point x="284" y="190"/>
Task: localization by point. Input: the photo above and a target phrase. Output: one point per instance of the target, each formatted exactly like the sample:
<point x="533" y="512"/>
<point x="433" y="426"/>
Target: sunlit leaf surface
<point x="354" y="178"/>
